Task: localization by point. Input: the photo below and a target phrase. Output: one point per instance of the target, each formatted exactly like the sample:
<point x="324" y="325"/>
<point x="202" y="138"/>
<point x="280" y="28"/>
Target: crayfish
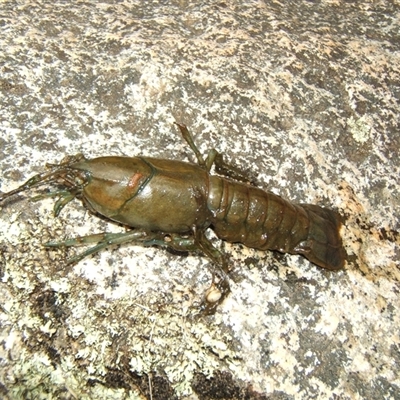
<point x="172" y="203"/>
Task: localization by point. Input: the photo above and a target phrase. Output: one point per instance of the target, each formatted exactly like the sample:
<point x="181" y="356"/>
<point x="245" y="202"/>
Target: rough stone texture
<point x="304" y="95"/>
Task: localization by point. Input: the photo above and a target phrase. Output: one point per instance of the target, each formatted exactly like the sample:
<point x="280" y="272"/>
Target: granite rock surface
<point x="303" y="96"/>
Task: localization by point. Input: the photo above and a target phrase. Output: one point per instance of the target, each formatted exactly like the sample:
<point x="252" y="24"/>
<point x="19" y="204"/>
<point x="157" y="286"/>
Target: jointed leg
<point x="214" y="157"/>
<point x="102" y="240"/>
<point x="219" y="288"/>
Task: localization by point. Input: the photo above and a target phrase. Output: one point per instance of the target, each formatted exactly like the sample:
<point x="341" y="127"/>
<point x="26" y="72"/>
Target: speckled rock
<point x="304" y="96"/>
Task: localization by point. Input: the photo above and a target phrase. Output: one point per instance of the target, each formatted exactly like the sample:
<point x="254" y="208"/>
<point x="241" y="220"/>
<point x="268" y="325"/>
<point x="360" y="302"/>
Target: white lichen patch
<point x="359" y="129"/>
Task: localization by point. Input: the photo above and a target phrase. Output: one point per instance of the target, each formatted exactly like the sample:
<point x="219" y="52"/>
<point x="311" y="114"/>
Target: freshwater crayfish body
<point x="171" y="204"/>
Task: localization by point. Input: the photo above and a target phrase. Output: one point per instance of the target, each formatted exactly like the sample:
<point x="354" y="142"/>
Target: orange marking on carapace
<point x="134" y="180"/>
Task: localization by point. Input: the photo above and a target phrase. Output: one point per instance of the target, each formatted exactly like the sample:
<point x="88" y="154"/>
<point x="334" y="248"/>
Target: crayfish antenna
<point x="32" y="182"/>
<point x="57" y="172"/>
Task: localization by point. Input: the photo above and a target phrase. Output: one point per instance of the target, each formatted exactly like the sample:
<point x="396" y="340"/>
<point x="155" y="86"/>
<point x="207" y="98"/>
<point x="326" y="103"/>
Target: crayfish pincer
<point x="171" y="204"/>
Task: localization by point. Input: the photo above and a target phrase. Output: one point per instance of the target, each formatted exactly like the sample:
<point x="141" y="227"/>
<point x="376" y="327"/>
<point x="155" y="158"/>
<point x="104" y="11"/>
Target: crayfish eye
<point x="81" y="178"/>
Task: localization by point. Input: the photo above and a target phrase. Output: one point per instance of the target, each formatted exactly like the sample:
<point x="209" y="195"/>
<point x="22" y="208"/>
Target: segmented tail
<point x="265" y="221"/>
